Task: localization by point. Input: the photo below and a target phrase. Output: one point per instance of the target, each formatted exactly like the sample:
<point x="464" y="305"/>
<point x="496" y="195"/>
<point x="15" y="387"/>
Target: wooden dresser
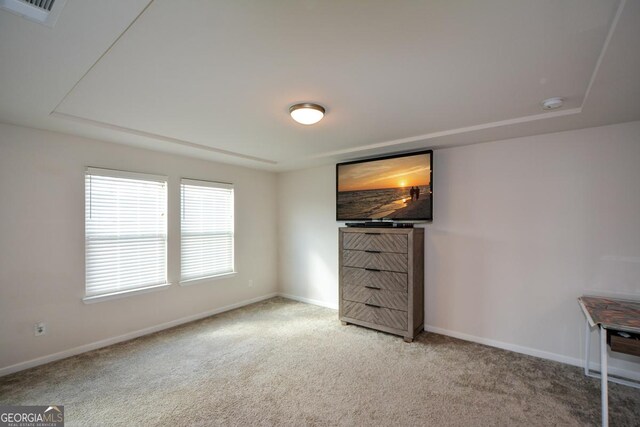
<point x="381" y="282"/>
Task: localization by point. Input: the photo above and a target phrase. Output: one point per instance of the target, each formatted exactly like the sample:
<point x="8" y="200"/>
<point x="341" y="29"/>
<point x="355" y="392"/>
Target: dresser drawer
<point x="378" y="315"/>
<point x="352" y="276"/>
<point x="375" y="260"/>
<point x="376" y="242"/>
<point x="375" y="296"/>
<point x="627" y="345"/>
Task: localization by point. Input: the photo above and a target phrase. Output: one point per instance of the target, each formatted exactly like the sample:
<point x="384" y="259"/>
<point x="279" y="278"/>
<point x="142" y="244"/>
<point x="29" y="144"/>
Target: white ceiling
<point x="214" y="79"/>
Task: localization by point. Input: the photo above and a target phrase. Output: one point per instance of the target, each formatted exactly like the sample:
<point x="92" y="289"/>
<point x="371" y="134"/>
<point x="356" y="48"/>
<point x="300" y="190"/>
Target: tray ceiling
<point x="215" y="79"/>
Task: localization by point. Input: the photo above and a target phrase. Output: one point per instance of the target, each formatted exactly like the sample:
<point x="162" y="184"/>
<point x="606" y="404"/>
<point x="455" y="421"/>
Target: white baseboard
<point x="333" y="306"/>
<point x="135" y="334"/>
<point x="625" y="373"/>
<point x="128" y="336"/>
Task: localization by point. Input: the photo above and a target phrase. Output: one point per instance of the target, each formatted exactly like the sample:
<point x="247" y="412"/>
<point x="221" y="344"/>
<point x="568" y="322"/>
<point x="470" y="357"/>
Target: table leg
<point x="603" y="376"/>
<point x="587" y="346"/>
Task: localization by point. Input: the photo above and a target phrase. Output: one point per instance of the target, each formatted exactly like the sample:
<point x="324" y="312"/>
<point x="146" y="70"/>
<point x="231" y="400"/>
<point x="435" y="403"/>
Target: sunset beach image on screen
<point x="396" y="188"/>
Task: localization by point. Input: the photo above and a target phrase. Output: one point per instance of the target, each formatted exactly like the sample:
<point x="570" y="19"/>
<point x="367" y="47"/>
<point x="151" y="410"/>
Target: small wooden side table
<point x="619" y="323"/>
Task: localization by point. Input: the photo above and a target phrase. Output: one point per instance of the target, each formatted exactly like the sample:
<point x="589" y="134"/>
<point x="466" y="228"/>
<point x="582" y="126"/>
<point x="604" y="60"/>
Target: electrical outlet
<point x="39" y="329"/>
<point x="251" y="283"/>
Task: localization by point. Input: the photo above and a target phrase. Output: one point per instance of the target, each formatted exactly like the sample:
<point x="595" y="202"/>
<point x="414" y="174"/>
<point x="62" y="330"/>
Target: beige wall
<point x="42" y="243"/>
<point x="521" y="229"/>
<point x="307" y="237"/>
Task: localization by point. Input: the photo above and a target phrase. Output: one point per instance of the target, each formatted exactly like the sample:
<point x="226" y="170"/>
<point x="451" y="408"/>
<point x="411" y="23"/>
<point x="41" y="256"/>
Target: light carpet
<point x="281" y="362"/>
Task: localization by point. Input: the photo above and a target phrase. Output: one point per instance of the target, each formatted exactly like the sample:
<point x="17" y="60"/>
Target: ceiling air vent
<point x="42" y="11"/>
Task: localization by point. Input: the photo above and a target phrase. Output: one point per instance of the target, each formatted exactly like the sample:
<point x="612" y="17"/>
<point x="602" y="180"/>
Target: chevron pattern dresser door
<point x="376" y="242"/>
<point x="374" y="260"/>
<point x="377" y="315"/>
<point x="379" y="297"/>
<point x="388" y="280"/>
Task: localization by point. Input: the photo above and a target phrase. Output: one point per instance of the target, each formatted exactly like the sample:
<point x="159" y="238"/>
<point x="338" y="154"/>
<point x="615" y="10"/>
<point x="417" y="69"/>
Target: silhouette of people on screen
<point x="412" y="192"/>
<point x="417" y="193"/>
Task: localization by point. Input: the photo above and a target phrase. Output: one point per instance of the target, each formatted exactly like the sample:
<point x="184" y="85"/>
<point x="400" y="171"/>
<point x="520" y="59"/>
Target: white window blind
<point x="207" y="229"/>
<point x="125" y="231"/>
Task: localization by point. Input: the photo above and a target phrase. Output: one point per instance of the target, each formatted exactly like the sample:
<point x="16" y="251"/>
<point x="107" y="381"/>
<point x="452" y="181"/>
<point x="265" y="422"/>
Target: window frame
<point x="213" y="277"/>
<point x="114" y="173"/>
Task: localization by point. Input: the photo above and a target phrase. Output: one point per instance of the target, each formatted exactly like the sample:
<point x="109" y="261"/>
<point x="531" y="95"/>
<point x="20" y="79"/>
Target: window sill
<point x="207" y="279"/>
<point x="122" y="294"/>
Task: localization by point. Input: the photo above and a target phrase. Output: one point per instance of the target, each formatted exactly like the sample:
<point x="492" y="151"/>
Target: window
<point x="207" y="229"/>
<point x="125" y="232"/>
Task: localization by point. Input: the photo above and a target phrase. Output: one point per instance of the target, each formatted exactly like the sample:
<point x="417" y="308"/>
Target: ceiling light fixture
<point x="306" y="113"/>
<point x="552" y="103"/>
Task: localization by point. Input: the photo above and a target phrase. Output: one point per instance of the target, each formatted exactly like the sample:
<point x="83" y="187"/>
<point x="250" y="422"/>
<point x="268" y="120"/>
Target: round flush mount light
<point x="552" y="103"/>
<point x="306" y="113"/>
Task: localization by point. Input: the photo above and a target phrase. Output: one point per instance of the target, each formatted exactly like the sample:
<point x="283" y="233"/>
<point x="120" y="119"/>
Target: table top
<point x="621" y="315"/>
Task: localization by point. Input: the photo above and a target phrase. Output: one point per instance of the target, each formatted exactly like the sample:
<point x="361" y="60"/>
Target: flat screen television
<point x="394" y="187"/>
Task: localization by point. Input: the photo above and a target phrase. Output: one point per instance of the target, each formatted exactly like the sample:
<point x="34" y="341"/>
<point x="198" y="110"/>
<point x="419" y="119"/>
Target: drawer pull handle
<point x="373" y="234"/>
<point x="372" y="305"/>
<point x="371" y="287"/>
<point x="372" y="252"/>
<point x="372" y="269"/>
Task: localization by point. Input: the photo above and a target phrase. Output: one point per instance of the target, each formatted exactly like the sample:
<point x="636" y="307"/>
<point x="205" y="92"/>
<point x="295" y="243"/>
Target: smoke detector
<point x="552" y="103"/>
<point x="44" y="12"/>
